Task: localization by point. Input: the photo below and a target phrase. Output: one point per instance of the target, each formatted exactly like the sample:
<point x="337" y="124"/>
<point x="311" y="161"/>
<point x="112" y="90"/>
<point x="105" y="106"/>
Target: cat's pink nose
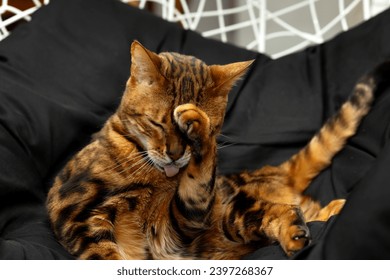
<point x="175" y="153"/>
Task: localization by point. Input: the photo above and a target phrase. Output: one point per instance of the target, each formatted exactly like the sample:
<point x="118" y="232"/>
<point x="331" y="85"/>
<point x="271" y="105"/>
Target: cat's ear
<point x="145" y="64"/>
<point x="225" y="76"/>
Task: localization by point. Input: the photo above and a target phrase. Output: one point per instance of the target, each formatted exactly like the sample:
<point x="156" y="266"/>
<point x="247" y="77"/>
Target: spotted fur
<point x="147" y="186"/>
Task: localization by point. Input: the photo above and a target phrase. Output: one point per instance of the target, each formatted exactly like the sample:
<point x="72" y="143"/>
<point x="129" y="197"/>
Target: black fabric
<point x="63" y="74"/>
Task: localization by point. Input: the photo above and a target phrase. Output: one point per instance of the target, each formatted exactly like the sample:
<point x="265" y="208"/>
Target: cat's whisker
<point x="136" y="157"/>
<point x="224" y="145"/>
<point x="118" y="164"/>
<point x="135" y="164"/>
<point x="224" y="136"/>
<point x="149" y="167"/>
<point x="145" y="167"/>
<point x="139" y="170"/>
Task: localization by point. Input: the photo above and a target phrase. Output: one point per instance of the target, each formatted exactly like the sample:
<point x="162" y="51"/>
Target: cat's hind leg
<point x="313" y="211"/>
<point x="249" y="218"/>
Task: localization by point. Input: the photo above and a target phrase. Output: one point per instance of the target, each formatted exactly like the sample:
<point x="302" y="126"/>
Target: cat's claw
<point x="299" y="239"/>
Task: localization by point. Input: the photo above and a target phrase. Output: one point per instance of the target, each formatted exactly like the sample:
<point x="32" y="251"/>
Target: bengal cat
<point x="147" y="186"/>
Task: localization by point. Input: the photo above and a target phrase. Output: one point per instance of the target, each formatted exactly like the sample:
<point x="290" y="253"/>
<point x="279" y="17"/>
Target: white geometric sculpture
<point x="10" y="14"/>
<point x="268" y="26"/>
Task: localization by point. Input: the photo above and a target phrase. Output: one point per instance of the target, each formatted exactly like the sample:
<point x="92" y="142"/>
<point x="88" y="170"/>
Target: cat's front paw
<point x="193" y="122"/>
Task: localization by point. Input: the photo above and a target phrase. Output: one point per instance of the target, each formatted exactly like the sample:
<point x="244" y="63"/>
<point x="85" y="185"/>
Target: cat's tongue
<point x="171" y="170"/>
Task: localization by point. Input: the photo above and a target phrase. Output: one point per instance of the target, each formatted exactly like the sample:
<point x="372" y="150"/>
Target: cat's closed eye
<point x="156" y="124"/>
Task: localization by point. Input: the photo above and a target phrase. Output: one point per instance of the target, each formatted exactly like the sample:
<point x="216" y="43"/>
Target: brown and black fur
<point x="146" y="187"/>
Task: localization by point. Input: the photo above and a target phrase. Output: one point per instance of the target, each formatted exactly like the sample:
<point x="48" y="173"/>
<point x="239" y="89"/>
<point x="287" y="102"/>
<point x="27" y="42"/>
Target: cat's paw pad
<point x="298" y="237"/>
<point x="192" y="121"/>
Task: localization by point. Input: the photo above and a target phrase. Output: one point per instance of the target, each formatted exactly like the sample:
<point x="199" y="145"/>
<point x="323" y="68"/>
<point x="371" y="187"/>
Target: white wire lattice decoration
<point x="273" y="27"/>
<point x="11" y="14"/>
<point x="268" y="26"/>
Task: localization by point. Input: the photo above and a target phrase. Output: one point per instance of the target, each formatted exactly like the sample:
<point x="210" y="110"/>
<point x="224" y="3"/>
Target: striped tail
<point x="304" y="166"/>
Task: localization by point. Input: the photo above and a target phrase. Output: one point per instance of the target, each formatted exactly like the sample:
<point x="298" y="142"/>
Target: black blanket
<point x="62" y="75"/>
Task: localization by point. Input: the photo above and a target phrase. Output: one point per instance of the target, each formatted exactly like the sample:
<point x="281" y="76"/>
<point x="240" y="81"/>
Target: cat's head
<point x="157" y="85"/>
